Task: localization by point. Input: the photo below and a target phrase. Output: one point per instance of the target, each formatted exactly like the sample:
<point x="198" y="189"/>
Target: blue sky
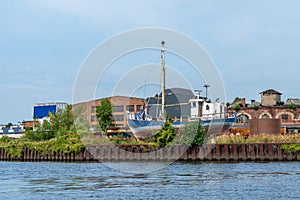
<point x="254" y="44"/>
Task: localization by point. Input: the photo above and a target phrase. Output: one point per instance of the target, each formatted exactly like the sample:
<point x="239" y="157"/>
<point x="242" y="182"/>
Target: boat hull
<point x="143" y="129"/>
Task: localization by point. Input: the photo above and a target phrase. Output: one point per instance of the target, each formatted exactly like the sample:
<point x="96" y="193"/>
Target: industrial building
<point x="41" y="110"/>
<point x="121" y="104"/>
<point x="270" y="107"/>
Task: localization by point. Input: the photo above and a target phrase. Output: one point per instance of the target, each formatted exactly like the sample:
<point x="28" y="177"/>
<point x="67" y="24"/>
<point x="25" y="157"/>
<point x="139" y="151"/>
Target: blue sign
<point x="43" y="111"/>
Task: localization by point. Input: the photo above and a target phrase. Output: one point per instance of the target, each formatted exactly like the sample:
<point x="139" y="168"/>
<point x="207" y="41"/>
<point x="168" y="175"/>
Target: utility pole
<point x="163" y="81"/>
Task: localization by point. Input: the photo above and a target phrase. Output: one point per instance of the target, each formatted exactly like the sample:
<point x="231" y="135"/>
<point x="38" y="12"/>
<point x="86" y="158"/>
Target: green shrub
<point x="192" y="134"/>
<point x="293" y="106"/>
<point x="295" y="148"/>
<point x="166" y="135"/>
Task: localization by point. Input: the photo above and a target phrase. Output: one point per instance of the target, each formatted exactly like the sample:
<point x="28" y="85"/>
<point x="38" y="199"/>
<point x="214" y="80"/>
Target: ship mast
<point x="163" y="82"/>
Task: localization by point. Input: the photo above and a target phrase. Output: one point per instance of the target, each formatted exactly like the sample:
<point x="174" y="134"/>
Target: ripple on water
<point x="179" y="180"/>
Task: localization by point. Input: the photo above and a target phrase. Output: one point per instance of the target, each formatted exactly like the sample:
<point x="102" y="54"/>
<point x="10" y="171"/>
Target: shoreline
<point x="252" y="152"/>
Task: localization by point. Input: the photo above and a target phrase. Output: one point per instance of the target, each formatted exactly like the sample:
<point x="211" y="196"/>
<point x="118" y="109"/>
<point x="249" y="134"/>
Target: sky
<point x="255" y="45"/>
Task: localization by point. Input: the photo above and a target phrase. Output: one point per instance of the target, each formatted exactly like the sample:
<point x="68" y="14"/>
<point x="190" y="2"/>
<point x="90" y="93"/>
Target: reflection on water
<point x="176" y="181"/>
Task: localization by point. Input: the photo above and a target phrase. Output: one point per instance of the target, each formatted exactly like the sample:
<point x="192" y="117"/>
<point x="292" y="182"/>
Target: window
<point x="284" y="117"/>
<point x="118" y="108"/>
<point x="207" y="107"/>
<point x="242" y="119"/>
<point x="265" y="116"/>
<point x="93" y="109"/>
<point x="193" y="104"/>
<point x="94" y="118"/>
<point x="130" y="108"/>
<point x="118" y="117"/>
<point x="139" y="108"/>
<point x="120" y="125"/>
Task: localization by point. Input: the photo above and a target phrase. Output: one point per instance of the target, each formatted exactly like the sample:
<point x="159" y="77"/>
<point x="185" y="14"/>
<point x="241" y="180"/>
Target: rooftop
<point x="270" y="91"/>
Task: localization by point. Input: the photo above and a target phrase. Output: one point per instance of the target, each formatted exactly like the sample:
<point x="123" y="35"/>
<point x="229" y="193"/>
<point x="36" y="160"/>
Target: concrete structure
<point x="270" y="98"/>
<point x="120" y="104"/>
<point x="15" y="136"/>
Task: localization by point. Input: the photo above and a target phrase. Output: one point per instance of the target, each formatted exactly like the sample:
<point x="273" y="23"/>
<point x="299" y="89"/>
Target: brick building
<point x="270" y="107"/>
<point x="120" y="104"/>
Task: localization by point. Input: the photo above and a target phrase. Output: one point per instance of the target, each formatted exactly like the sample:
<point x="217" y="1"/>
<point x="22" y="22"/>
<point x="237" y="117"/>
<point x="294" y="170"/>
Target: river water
<point x="45" y="180"/>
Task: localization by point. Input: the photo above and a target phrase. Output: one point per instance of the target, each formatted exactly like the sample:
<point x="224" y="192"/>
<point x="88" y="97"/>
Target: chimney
<point x="244" y="102"/>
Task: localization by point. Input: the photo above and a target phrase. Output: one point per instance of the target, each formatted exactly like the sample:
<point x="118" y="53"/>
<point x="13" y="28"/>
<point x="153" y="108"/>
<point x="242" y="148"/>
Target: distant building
<point x="270" y="107"/>
<point x="120" y="104"/>
<point x="14" y="129"/>
<point x="270" y="98"/>
<point x="41" y="110"/>
<point x="29" y="124"/>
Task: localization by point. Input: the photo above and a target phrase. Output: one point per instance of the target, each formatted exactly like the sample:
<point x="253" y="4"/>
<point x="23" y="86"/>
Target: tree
<point x="255" y="107"/>
<point x="80" y="119"/>
<point x="9" y="125"/>
<point x="166" y="135"/>
<point x="192" y="134"/>
<point x="62" y="121"/>
<point x="236" y="100"/>
<point x="293" y="106"/>
<point x="104" y="114"/>
<point x="237" y="107"/>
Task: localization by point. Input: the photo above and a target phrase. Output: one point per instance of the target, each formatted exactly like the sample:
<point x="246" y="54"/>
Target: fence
<point x="211" y="152"/>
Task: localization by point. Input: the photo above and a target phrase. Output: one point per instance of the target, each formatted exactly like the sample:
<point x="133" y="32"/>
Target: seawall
<point x="212" y="152"/>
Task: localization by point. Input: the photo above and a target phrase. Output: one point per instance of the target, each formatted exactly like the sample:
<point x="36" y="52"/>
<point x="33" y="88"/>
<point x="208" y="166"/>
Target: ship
<point x="212" y="116"/>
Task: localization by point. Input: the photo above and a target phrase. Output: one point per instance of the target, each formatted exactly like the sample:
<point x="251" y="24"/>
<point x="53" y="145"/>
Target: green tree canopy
<point x="192" y="134"/>
<point x="62" y="121"/>
<point x="293" y="106"/>
<point x="237" y="107"/>
<point x="104" y="114"/>
<point x="9" y="125"/>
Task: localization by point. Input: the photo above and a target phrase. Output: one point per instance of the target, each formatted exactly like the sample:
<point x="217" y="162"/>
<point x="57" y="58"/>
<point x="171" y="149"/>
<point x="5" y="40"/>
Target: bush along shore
<point x="61" y="140"/>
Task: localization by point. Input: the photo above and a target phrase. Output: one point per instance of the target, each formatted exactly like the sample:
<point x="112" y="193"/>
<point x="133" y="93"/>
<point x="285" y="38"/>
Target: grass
<point x="65" y="144"/>
<point x="263" y="138"/>
<point x="74" y="143"/>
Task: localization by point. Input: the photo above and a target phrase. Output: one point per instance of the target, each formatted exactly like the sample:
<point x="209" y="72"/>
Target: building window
<point x="284" y="117"/>
<point x="120" y="125"/>
<point x="93" y="109"/>
<point x="118" y="108"/>
<point x="242" y="119"/>
<point x="130" y="108"/>
<point x="265" y="116"/>
<point x="139" y="108"/>
<point x="118" y="117"/>
<point x="94" y="118"/>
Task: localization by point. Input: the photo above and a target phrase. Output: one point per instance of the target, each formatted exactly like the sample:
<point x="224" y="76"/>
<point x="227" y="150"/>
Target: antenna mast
<point x="163" y="82"/>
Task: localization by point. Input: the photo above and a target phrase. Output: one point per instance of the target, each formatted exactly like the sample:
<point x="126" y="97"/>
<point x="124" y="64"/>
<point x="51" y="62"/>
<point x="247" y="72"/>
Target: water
<point x="177" y="181"/>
